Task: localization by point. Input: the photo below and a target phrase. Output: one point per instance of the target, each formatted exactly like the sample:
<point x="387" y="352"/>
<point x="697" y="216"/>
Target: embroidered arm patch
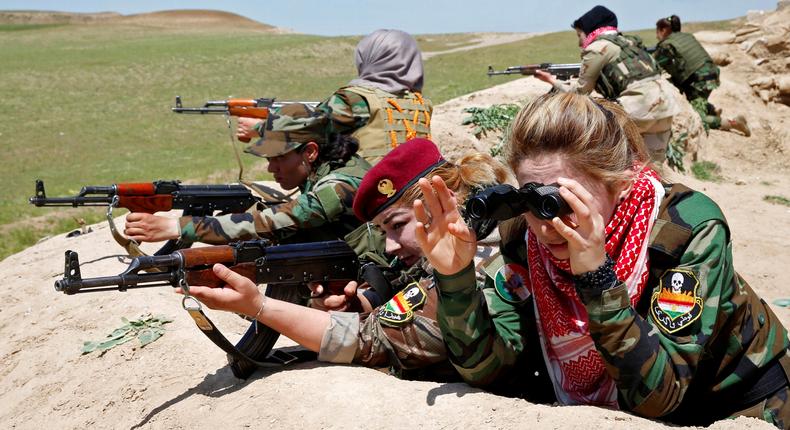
<point x="676" y="304"/>
<point x="400" y="309"/>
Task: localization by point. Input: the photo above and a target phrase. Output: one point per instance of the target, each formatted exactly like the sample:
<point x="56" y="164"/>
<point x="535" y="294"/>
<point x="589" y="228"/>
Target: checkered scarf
<point x="597" y="32"/>
<point x="576" y="367"/>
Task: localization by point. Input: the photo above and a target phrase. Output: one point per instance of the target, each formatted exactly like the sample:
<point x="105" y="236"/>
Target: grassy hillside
<point x="90" y="104"/>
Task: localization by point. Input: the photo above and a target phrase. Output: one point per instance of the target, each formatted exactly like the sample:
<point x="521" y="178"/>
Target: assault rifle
<point x="561" y="71"/>
<point x="247" y="108"/>
<point x="150" y="197"/>
<point x="286" y="269"/>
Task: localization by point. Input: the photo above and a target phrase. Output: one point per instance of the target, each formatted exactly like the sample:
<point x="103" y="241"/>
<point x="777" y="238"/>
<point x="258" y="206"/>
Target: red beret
<point x="395" y="173"/>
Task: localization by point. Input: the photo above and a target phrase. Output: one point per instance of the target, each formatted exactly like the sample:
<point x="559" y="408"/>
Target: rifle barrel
<point x="200" y="110"/>
<point x="120" y="282"/>
<point x="71" y="201"/>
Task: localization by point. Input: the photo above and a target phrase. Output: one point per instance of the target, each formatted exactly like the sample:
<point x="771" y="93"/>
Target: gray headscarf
<point x="390" y="60"/>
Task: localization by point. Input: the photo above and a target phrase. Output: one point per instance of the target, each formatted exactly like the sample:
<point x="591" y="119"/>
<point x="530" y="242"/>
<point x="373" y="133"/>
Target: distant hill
<point x="178" y="19"/>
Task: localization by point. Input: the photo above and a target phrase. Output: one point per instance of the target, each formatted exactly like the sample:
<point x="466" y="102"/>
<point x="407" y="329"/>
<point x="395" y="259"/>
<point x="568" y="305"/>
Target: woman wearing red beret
<point x="399" y="332"/>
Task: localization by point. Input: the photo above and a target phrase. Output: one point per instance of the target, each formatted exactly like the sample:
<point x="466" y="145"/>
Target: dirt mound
<point x="177" y="19"/>
<point x="204" y="19"/>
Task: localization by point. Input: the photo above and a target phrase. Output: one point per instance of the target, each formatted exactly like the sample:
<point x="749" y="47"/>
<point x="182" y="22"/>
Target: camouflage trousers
<point x="697" y="93"/>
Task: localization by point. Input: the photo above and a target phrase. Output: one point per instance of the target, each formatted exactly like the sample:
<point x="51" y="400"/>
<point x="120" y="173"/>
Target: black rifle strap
<point x="254" y="349"/>
<point x="210" y="330"/>
<point x="258" y="341"/>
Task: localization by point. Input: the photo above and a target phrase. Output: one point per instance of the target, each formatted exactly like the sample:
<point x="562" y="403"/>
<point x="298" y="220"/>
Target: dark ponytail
<point x="672" y="23"/>
<point x="338" y="150"/>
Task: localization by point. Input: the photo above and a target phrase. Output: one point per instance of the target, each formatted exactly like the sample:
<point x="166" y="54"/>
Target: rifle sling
<point x="131" y="247"/>
<point x="276" y="359"/>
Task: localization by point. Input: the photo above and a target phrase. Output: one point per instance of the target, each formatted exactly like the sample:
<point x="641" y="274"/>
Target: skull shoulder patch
<point x="676" y="303"/>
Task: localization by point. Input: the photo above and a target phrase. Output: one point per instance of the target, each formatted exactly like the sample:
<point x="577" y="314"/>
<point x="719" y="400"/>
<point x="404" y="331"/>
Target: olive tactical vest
<point x="690" y="56"/>
<point x="633" y="64"/>
<point x="393" y="120"/>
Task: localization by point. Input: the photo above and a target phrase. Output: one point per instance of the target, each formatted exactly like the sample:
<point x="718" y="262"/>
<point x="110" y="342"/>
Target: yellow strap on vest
<point x="410" y="126"/>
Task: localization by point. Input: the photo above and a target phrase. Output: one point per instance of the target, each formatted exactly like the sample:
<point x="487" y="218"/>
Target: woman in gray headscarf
<point x="383" y="107"/>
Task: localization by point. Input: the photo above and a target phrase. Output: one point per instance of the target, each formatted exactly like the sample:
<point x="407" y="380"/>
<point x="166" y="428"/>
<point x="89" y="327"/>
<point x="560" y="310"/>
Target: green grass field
<point x="90" y="104"/>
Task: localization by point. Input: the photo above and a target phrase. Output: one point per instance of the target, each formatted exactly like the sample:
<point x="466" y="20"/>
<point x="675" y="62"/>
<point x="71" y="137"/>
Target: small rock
<point x="740" y="182"/>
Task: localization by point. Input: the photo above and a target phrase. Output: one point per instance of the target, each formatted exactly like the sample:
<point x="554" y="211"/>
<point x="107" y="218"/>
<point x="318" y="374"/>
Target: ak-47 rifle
<point x="561" y="71"/>
<point x="286" y="269"/>
<point x="150" y="197"/>
<point x="247" y="108"/>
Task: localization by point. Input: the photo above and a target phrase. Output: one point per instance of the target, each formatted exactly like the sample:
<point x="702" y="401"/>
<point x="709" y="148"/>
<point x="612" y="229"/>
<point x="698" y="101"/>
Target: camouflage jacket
<point x="349" y="111"/>
<point x="698" y="339"/>
<point x="323" y="211"/>
<point x="682" y="56"/>
<point x="644" y="100"/>
<point x="402" y="334"/>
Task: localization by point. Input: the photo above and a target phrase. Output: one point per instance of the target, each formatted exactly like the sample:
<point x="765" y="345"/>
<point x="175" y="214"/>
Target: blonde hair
<point x="595" y="137"/>
<point x="474" y="170"/>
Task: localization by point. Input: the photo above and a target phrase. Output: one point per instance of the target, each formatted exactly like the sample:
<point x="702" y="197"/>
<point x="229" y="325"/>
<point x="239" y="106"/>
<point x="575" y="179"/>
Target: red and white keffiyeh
<point x="577" y="369"/>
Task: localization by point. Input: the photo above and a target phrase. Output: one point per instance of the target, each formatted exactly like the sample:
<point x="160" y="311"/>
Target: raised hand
<point x="445" y="239"/>
<point x="144" y="227"/>
<point x="586" y="241"/>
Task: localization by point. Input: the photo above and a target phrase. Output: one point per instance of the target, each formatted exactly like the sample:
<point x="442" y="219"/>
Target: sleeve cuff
<point x="601" y="303"/>
<point x="339" y="343"/>
<point x="465" y="279"/>
<point x="186" y="228"/>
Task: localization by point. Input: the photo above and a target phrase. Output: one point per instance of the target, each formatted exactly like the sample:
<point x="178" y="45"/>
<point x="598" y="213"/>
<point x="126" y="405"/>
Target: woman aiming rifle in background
<point x="619" y="68"/>
<point x="383" y="107"/>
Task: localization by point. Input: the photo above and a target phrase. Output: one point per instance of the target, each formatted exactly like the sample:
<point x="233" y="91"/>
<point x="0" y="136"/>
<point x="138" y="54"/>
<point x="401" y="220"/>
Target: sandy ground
<point x="181" y="381"/>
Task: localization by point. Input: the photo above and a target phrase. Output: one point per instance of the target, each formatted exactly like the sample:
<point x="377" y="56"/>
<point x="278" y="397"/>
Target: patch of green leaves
<point x="675" y="152"/>
<point x="700" y="105"/>
<point x="777" y="200"/>
<point x="146" y="329"/>
<point x="495" y="118"/>
<point x="706" y="171"/>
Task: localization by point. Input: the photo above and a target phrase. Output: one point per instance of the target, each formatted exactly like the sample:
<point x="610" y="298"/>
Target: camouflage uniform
<point x="377" y="119"/>
<point x="724" y="355"/>
<point x="692" y="71"/>
<point x="402" y="334"/>
<point x="323" y="211"/>
<point x="629" y="76"/>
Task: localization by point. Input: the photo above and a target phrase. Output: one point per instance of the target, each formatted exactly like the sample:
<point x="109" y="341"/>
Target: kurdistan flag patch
<point x="675" y="305"/>
<point x="400" y="309"/>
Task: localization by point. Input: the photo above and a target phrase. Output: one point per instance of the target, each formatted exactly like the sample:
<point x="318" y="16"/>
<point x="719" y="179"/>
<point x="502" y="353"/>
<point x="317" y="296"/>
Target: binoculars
<point x="502" y="202"/>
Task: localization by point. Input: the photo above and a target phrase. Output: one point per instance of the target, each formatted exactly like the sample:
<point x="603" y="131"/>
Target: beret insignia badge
<point x="387" y="188"/>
